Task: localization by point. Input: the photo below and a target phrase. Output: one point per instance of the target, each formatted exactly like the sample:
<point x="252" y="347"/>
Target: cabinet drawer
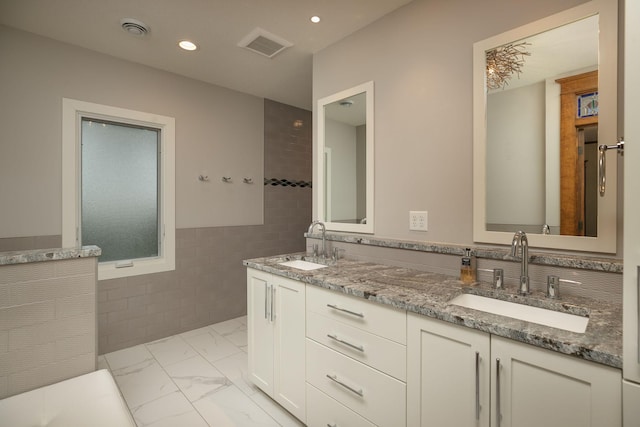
<point x="388" y="322"/>
<point x="380" y="353"/>
<point x="323" y="411"/>
<point x="376" y="396"/>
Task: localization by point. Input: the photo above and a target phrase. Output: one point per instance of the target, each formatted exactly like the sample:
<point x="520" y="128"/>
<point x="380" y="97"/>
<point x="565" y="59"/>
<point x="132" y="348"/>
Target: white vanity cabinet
<point x="462" y="377"/>
<point x="448" y="370"/>
<point x="276" y="338"/>
<point x="356" y="361"/>
<point x="539" y="387"/>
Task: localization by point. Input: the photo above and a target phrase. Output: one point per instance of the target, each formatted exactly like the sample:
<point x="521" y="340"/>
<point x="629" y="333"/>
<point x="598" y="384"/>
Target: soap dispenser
<point x="468" y="267"/>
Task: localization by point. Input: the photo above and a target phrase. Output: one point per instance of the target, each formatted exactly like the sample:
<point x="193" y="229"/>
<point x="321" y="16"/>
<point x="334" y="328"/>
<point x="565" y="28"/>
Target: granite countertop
<point x="428" y="294"/>
<point x="56" y="254"/>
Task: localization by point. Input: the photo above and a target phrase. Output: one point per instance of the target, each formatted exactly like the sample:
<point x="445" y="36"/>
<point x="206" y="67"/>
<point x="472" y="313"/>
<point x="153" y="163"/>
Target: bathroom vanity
<point x="362" y="344"/>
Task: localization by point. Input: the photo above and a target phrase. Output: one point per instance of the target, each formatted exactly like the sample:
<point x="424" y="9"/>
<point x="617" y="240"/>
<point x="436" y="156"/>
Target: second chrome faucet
<point x="324" y="240"/>
<point x="521" y="242"/>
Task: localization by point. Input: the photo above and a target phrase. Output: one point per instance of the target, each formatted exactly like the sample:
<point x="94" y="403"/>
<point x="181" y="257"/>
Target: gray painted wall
<point x="420" y="60"/>
<point x="219" y="132"/>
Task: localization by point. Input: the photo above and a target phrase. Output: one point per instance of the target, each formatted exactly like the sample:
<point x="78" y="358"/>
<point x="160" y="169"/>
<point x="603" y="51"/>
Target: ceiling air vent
<point x="133" y="26"/>
<point x="264" y="43"/>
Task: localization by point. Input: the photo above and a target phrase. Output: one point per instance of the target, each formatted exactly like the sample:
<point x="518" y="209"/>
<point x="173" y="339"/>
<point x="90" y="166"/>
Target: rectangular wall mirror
<point x="344" y="159"/>
<point x="545" y="97"/>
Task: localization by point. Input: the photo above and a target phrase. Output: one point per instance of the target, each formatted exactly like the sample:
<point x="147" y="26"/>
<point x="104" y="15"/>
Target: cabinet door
<point x="260" y="330"/>
<point x="448" y="374"/>
<point x="539" y="387"/>
<point x="289" y="313"/>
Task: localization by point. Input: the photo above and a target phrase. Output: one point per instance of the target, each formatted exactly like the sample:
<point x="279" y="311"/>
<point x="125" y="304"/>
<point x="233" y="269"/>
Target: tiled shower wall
<point x="209" y="283"/>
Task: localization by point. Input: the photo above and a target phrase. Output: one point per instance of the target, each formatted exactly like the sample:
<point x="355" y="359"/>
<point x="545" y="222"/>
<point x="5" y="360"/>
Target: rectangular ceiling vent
<point x="264" y="43"/>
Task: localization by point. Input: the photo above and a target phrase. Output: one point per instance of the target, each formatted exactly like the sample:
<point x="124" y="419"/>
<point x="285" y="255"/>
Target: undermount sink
<point x="302" y="265"/>
<point x="541" y="316"/>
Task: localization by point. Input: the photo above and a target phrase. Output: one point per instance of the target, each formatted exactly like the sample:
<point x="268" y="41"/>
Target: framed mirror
<point x="545" y="97"/>
<point x="345" y="160"/>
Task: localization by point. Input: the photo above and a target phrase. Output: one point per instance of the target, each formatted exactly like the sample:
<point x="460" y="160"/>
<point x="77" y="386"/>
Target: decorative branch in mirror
<point x="503" y="62"/>
<point x="344" y="160"/>
<point x="536" y="136"/>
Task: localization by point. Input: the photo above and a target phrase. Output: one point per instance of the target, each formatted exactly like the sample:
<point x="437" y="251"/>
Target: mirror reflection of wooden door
<point x="590" y="187"/>
<point x="572" y="153"/>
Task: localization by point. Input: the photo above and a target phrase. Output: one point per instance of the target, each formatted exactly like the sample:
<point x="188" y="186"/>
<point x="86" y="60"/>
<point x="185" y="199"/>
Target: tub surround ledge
<point x="48" y="317"/>
<point x="428" y="294"/>
<point x="40" y="255"/>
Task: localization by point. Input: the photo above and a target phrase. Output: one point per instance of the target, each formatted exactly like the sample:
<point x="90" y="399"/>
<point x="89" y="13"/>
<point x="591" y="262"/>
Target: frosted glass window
<point x="119" y="189"/>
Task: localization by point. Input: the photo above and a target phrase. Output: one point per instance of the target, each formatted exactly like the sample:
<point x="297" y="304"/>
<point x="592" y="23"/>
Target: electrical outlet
<point x="418" y="220"/>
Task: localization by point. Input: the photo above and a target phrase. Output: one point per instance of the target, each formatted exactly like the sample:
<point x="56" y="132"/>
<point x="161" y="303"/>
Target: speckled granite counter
<point x="428" y="294"/>
<point x="39" y="255"/>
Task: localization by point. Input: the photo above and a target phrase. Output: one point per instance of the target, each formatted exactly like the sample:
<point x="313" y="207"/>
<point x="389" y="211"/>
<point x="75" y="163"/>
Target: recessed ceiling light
<point x="187" y="45"/>
<point x="315" y="19"/>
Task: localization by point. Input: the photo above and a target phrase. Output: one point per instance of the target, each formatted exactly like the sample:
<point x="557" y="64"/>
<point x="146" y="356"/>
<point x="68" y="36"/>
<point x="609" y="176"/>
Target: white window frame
<point x="72" y="113"/>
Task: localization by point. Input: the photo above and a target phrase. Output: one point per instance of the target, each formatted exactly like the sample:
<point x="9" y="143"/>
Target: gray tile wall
<point x="209" y="283"/>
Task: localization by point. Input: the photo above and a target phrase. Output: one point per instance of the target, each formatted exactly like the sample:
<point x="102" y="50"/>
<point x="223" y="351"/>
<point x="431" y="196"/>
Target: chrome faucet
<point x="322" y="229"/>
<point x="520" y="239"/>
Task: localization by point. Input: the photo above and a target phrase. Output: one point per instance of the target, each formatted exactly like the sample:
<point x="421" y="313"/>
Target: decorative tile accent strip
<point x="609" y="265"/>
<point x="39" y="255"/>
<point x="286" y="183"/>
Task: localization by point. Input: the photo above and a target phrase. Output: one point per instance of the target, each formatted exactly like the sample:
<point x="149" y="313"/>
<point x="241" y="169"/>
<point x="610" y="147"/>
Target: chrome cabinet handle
<point x="273" y="303"/>
<point x="266" y="289"/>
<point x="498" y="414"/>
<point x="602" y="163"/>
<point x="335" y="379"/>
<point x="344" y="310"/>
<point x="638" y="308"/>
<point x="477" y="386"/>
<point x="347" y="343"/>
<point x="267" y="302"/>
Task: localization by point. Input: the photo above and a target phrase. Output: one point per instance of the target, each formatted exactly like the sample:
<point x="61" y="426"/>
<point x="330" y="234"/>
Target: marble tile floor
<point x="194" y="379"/>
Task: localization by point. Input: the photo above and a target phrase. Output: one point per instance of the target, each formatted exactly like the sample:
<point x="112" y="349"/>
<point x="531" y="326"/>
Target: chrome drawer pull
<point x="353" y="313"/>
<point x="335" y="379"/>
<point x="347" y="343"/>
